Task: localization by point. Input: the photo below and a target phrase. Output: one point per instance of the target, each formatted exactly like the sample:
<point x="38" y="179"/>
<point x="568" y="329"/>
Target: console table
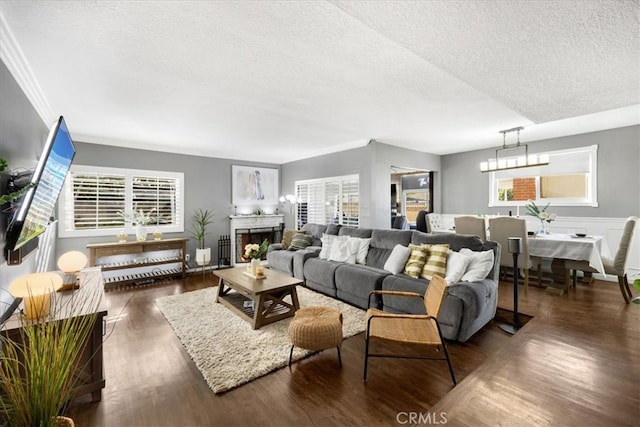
<point x="91" y="373"/>
<point x="139" y="262"/>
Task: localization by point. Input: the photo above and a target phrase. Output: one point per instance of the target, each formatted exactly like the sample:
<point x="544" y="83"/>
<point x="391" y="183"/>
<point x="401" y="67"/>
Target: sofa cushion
<point x="436" y="263"/>
<point x="315" y="230"/>
<point x="382" y="243"/>
<point x="455" y="241"/>
<point x="397" y="259"/>
<point x="300" y="241"/>
<point x="281" y="261"/>
<point x="355" y="232"/>
<point x="287" y="235"/>
<point x="416" y="260"/>
<point x="354" y="283"/>
<point x="333" y="229"/>
<point x="319" y="274"/>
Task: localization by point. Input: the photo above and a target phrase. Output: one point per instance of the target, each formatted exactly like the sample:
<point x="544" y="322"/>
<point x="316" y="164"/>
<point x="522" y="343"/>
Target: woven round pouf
<point x="316" y="328"/>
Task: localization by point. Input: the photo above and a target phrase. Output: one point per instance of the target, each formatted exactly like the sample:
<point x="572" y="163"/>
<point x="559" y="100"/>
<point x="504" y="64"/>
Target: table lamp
<point x="35" y="290"/>
<point x="70" y="263"/>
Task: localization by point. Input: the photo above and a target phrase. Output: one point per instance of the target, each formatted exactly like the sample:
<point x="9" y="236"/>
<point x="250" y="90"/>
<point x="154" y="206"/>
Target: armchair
<point x="417" y="329"/>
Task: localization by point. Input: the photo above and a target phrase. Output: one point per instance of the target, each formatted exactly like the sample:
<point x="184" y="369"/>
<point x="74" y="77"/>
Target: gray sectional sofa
<point x="467" y="307"/>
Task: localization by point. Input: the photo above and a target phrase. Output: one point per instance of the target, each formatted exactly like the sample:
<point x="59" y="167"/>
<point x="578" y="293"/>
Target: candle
<point x="260" y="271"/>
<point x="518" y="211"/>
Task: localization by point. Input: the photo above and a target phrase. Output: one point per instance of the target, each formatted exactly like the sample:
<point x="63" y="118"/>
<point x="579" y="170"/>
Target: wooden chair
<point x="615" y="266"/>
<point x="501" y="229"/>
<point x="415" y="329"/>
<point x="473" y="225"/>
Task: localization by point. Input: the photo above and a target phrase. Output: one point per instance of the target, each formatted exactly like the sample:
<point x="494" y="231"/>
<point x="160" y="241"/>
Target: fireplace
<point x="253" y="229"/>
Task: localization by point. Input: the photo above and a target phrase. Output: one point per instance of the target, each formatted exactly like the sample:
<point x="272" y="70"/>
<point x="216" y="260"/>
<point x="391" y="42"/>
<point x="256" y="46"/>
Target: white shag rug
<point x="225" y="348"/>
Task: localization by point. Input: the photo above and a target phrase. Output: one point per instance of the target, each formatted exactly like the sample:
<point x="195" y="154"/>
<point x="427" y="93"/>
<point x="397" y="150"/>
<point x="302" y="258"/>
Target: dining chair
<point x="503" y="227"/>
<point x="615" y="266"/>
<point x="421" y="221"/>
<point x="434" y="222"/>
<point x="474" y="225"/>
<point x="399" y="222"/>
<point x="417" y="330"/>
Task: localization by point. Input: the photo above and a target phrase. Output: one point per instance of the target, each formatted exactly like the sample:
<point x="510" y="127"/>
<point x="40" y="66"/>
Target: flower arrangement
<point x="255" y="251"/>
<point x="137" y="217"/>
<point x="541" y="214"/>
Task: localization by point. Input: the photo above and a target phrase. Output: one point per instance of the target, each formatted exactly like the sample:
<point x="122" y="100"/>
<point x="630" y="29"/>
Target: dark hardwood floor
<point x="577" y="362"/>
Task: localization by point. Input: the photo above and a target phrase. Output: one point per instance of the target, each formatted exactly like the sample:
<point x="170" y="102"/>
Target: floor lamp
<point x="515" y="247"/>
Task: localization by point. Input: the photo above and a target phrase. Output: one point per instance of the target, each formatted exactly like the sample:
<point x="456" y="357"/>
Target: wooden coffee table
<point x="258" y="301"/>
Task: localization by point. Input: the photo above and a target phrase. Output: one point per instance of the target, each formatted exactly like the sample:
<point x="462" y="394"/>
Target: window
<point x="334" y="200"/>
<point x="92" y="198"/>
<point x="570" y="179"/>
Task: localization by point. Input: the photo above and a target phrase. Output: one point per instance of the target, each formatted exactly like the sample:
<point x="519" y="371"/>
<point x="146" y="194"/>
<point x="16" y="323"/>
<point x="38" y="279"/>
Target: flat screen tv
<point x="34" y="212"/>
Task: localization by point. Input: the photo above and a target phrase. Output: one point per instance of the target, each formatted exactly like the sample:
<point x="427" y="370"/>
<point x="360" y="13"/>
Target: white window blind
<point x="92" y="199"/>
<point x="333" y="200"/>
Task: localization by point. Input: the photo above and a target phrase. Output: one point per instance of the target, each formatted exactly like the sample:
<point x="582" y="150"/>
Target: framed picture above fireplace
<point x="254" y="187"/>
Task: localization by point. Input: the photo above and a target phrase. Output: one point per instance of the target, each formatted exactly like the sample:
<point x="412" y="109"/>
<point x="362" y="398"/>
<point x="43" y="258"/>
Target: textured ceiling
<point x="280" y="81"/>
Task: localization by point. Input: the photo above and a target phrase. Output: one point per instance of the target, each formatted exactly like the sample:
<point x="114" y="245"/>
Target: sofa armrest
<point x="274" y="247"/>
<point x="300" y="257"/>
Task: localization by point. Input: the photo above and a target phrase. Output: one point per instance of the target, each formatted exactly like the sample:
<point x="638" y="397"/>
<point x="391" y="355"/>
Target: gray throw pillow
<point x="300" y="241"/>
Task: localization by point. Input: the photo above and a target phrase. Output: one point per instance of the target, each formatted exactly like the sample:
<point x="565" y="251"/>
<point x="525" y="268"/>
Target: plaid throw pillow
<point x="436" y="264"/>
<point x="416" y="260"/>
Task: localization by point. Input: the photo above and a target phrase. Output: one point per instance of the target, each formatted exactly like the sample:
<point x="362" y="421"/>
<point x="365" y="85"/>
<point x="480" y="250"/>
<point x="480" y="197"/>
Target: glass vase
<point x="141" y="233"/>
<point x="543" y="228"/>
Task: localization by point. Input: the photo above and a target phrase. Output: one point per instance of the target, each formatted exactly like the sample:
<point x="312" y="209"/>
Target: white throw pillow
<point x="457" y="264"/>
<point x="398" y="258"/>
<point x="327" y="240"/>
<point x="363" y="249"/>
<point x="480" y="265"/>
<point x="344" y="250"/>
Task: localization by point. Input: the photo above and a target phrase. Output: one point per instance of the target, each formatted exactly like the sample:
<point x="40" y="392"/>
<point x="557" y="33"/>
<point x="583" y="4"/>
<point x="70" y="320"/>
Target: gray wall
<point x="207" y="183"/>
<point x="373" y="163"/>
<point x="22" y="136"/>
<point x="466" y="191"/>
<point x="354" y="161"/>
<point x="22" y="131"/>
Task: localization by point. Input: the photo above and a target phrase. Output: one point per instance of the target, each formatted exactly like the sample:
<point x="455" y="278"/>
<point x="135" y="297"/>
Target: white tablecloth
<point x="565" y="246"/>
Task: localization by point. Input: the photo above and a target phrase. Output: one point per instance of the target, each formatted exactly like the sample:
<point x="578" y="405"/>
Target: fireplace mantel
<point x="251" y="222"/>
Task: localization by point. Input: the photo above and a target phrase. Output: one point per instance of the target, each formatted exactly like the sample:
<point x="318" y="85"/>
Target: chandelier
<point x="525" y="161"/>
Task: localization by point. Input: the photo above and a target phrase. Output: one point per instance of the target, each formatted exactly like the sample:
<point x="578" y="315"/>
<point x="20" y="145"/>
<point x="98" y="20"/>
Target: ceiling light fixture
<point x="525" y="161"/>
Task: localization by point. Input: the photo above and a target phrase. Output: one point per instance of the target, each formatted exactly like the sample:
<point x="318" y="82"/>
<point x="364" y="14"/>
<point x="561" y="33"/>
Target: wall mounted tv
<point x="34" y="212"/>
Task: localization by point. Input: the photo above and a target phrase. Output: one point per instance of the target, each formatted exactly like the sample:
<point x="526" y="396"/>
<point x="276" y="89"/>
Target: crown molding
<point x="14" y="59"/>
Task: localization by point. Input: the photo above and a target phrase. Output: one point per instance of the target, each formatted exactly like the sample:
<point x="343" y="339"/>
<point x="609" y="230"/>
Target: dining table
<point x="560" y="247"/>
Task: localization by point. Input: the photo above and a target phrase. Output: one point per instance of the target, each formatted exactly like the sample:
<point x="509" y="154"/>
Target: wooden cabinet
<point x="76" y="303"/>
<point x="139" y="262"/>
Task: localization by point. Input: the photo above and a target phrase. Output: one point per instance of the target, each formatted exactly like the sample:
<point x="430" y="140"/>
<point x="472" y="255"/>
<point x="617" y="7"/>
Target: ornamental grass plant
<point x="40" y="360"/>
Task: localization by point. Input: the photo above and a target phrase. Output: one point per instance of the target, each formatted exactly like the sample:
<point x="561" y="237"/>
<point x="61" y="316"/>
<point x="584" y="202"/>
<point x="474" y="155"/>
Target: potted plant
<point x="40" y="359"/>
<point x="14" y="195"/>
<point x="201" y="219"/>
